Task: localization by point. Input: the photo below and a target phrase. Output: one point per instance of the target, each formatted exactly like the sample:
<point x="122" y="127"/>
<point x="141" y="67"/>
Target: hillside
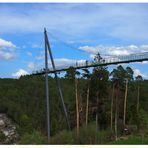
<point x="23" y="100"/>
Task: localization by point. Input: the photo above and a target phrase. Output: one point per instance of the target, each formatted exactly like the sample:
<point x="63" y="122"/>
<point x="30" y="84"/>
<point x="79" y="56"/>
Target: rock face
<point x="8" y="134"/>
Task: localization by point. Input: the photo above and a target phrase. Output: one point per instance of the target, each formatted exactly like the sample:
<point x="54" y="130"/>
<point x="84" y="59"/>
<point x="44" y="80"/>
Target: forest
<point x="103" y="107"/>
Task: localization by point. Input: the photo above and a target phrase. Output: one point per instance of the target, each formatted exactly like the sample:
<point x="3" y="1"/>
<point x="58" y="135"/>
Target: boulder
<point x="2" y="124"/>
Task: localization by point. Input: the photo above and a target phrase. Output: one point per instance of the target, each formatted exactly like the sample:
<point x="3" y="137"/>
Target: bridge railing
<point x="108" y="60"/>
<point x="116" y="59"/>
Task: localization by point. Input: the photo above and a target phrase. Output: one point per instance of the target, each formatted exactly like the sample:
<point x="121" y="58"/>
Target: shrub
<point x="133" y="140"/>
<point x="87" y="135"/>
<point x="143" y="119"/>
<point x="64" y="137"/>
<point x="33" y="138"/>
<point x="25" y="124"/>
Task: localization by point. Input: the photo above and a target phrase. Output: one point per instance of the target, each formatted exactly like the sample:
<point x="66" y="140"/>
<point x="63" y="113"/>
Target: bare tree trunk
<point x="80" y="105"/>
<point x="97" y="112"/>
<point x="116" y="114"/>
<point x="138" y="99"/>
<point x="87" y="104"/>
<point x="125" y="102"/>
<point x="96" y="121"/>
<point x="77" y="106"/>
<point x="111" y="116"/>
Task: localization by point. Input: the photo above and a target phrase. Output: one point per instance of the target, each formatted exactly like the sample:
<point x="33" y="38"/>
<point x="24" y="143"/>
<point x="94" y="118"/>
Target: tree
<point x="98" y="90"/>
<point x="22" y="100"/>
<point x="73" y="75"/>
<point x="139" y="79"/>
<point x="128" y="77"/>
<point x="111" y="110"/>
<point x="86" y="75"/>
<point x="129" y="74"/>
<point x="116" y="108"/>
<point x="70" y="73"/>
<point x="118" y="76"/>
<point x="125" y="102"/>
<point x="99" y="84"/>
<point x="77" y="74"/>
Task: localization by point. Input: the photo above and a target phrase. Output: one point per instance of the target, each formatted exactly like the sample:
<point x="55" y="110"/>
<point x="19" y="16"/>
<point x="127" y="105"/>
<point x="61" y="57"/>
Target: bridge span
<point x="138" y="57"/>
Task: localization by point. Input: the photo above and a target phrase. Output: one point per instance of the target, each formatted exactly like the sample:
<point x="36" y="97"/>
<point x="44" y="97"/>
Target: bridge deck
<point x="104" y="62"/>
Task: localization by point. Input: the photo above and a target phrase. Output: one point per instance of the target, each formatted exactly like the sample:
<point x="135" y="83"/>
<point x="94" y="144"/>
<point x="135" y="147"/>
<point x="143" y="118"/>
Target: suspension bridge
<point x="138" y="57"/>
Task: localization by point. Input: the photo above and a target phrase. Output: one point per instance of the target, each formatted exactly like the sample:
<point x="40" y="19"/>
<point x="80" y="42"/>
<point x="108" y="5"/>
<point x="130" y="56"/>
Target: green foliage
<point x="118" y="74"/>
<point x="133" y="140"/>
<point x="70" y="74"/>
<point x="139" y="78"/>
<point x="87" y="135"/>
<point x="143" y="118"/>
<point x="24" y="101"/>
<point x="33" y="138"/>
<point x="98" y="91"/>
<point x="140" y="119"/>
<point x="129" y="74"/>
<point x="26" y="123"/>
<point x="64" y="137"/>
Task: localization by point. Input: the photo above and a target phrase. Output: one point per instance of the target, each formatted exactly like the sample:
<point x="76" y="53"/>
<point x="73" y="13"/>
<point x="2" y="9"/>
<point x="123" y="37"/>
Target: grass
<point x="87" y="135"/>
<point x="33" y="138"/>
<point x="132" y="140"/>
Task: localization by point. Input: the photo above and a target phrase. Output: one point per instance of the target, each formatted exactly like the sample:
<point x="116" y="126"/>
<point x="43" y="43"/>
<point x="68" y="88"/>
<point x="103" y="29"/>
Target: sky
<point x="76" y="33"/>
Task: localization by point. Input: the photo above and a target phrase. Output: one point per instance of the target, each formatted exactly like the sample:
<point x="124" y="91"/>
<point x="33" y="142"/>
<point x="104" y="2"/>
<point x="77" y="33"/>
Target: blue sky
<point x="76" y="32"/>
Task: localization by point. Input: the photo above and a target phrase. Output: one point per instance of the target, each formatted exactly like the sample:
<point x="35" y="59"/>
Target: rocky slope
<point x="8" y="133"/>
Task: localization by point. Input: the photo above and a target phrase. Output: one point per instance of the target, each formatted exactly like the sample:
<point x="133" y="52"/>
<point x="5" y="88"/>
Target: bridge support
<point x="47" y="47"/>
<point x="47" y="90"/>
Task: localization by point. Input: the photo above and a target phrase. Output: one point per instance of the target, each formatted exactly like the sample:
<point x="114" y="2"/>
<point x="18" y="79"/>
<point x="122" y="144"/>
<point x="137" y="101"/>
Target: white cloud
<point x="114" y="50"/>
<point x="7" y="55"/>
<point x="112" y="20"/>
<point x="59" y="63"/>
<point x="90" y="49"/>
<point x="62" y="62"/>
<point x="138" y="72"/>
<point x="20" y="72"/>
<point x="7" y="50"/>
<point x="6" y="44"/>
<point x="92" y="56"/>
<point x="144" y="62"/>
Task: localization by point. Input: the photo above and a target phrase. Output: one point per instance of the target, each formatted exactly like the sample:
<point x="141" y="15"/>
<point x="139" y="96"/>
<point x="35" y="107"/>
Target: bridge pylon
<point x="48" y="49"/>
